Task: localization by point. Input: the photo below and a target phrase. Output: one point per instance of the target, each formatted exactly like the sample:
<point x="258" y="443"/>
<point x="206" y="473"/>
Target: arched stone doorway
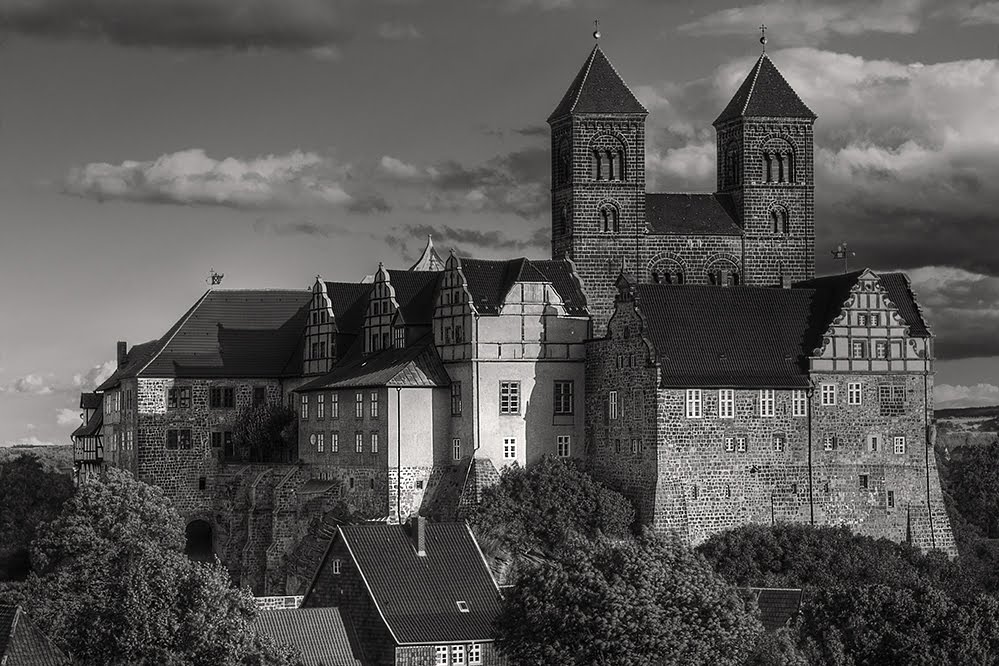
<point x="199" y="541"/>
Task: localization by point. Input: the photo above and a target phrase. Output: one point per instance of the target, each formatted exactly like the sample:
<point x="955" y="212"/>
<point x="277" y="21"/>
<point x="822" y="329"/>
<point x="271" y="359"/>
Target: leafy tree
<point x="778" y="648"/>
<point x="30" y="494"/>
<point x="540" y="507"/>
<point x="972" y="480"/>
<point x="266" y="433"/>
<point x="111" y="585"/>
<point x="638" y="601"/>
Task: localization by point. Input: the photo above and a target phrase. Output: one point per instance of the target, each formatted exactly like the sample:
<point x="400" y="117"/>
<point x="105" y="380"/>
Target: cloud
<point x="191" y="177"/>
<point x="68" y="417"/>
<point x="31" y="383"/>
<point x="962" y="309"/>
<point x="950" y="396"/>
<point x="398" y="31"/>
<point x="448" y="236"/>
<point x="95" y="376"/>
<point x="808" y="21"/>
<point x="979" y="13"/>
<point x="296" y="25"/>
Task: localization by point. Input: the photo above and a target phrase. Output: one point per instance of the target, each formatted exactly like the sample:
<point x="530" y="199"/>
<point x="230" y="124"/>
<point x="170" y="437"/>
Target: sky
<point x="144" y="143"/>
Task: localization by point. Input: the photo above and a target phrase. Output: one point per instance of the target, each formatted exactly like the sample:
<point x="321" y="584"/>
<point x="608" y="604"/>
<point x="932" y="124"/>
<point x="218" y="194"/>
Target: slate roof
<point x="350" y="302"/>
<point x="91" y="400"/>
<point x="23" y="644"/>
<point x="319" y="634"/>
<point x="777" y="606"/>
<point x="765" y="94"/>
<point x="897" y="290"/>
<point x="417" y="596"/>
<point x="137" y="357"/>
<point x="415" y="292"/>
<point x="489" y="281"/>
<point x="691" y="214"/>
<point x="416" y="365"/>
<point x="597" y="88"/>
<point x="93" y="425"/>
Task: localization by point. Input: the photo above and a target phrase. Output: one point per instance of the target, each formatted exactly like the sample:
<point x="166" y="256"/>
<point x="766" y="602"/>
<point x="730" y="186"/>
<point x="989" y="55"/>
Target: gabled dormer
<point x="384" y="326"/>
<point x="320" y="350"/>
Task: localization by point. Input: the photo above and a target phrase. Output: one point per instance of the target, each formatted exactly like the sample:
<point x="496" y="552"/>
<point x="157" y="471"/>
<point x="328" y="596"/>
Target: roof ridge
<point x="582" y="81"/>
<point x="175" y="330"/>
<point x="752" y="86"/>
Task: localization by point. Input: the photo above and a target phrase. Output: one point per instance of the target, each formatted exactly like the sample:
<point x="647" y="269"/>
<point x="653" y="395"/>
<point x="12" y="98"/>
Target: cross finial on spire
<point x="763" y="36"/>
<point x="596" y="30"/>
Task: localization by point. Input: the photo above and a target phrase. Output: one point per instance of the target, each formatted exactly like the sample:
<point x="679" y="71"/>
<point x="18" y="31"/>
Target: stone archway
<point x="200" y="546"/>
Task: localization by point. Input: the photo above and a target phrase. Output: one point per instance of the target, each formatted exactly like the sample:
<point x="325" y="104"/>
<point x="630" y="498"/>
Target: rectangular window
<point x="399" y="337"/>
<point x="216" y="439"/>
<point x="373" y="405"/>
<point x="564" y="399"/>
<point x="321" y="406"/>
<point x="730" y="444"/>
<point x="612" y="405"/>
<point x="359" y="405"/>
<point x="457" y="655"/>
<point x="829" y="443"/>
<point x="374" y="442"/>
<point x="509" y="448"/>
<point x="359" y="442"/>
<point x="441" y="655"/>
<point x="874" y="442"/>
<point x="890" y="499"/>
<point x="334" y="442"/>
<point x="455" y="398"/>
<point x="899" y="444"/>
<point x="227" y="442"/>
<point x="858" y="349"/>
<point x="509" y="397"/>
<point x="334" y="405"/>
<point x="475" y="654"/>
<point x="864" y="481"/>
<point x="854" y="393"/>
<point x="179" y="397"/>
<point x="185" y="439"/>
<point x="337" y="566"/>
<point x="861" y="319"/>
<point x="741" y="443"/>
<point x="780" y="442"/>
<point x="259" y="395"/>
<point x="636" y="446"/>
<point x="456" y="448"/>
<point x="320" y="442"/>
<point x="726" y="403"/>
<point x="828" y="395"/>
<point x="881" y="349"/>
<point x="221" y="397"/>
<point x="799" y="403"/>
<point x="875" y="319"/>
<point x="694" y="404"/>
<point x="305" y="407"/>
<point x="562" y="446"/>
<point x="202" y="483"/>
<point x="768" y="402"/>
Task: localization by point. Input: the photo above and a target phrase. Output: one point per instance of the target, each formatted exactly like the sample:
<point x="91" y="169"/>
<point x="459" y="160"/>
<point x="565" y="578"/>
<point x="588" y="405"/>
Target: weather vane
<point x="763" y="36"/>
<point x="596" y="30"/>
<point x="842" y="252"/>
<point x="214" y="278"/>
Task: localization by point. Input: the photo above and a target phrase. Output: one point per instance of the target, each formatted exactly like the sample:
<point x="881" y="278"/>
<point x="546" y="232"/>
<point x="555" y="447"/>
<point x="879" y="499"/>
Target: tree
<point x="972" y="480"/>
<point x="637" y="601"/>
<point x="111" y="585"/>
<point x="266" y="433"/>
<point x="539" y="507"/>
<point x="30" y="494"/>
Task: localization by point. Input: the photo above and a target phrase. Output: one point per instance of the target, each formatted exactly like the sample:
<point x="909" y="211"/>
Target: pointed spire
<point x="429" y="260"/>
<point x="597" y="88"/>
<point x="765" y="94"/>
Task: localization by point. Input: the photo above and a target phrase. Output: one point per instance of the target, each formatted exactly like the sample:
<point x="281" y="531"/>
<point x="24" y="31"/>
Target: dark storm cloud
<point x="962" y="308"/>
<point x="452" y="237"/>
<point x="185" y="24"/>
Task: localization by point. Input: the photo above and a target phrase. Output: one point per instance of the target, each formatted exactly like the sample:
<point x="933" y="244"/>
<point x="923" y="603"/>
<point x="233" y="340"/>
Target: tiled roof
<point x="417" y="596"/>
<point x="417" y="365"/>
<point x="429" y="260"/>
<point x="92" y="426"/>
<point x="597" y="88"/>
<point x="490" y="280"/>
<point x="707" y="214"/>
<point x="415" y="292"/>
<point x="91" y="400"/>
<point x="350" y="302"/>
<point x="319" y="634"/>
<point x="23" y="644"/>
<point x="137" y="357"/>
<point x="777" y="606"/>
<point x="897" y="290"/>
<point x="765" y="93"/>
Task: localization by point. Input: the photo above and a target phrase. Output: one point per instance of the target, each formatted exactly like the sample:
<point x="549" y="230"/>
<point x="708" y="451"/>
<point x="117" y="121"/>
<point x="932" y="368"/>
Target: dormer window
<point x="462" y="606"/>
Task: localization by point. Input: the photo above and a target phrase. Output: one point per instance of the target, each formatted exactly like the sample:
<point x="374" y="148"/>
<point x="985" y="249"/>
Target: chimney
<point x="122" y="353"/>
<point x="418" y="532"/>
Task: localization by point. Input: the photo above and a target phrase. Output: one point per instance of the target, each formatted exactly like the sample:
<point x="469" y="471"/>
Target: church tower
<point x="598" y="181"/>
<point x="765" y="162"/>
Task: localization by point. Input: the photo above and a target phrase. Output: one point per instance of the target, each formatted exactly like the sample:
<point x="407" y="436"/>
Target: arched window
<point x="609" y="219"/>
<point x="608" y="158"/>
<point x="666" y="270"/>
<point x="723" y="272"/>
<point x="778" y="161"/>
<point x="779" y="220"/>
<point x="597" y="166"/>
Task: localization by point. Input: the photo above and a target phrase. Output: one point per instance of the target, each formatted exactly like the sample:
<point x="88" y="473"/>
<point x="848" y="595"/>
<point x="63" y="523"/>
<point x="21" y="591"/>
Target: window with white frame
<point x="475" y="654"/>
<point x="441" y="654"/>
<point x="359" y="442"/>
<point x="899" y="444"/>
<point x="320" y="406"/>
<point x="828" y="395"/>
<point x="780" y="442"/>
<point x="374" y="405"/>
<point x="768" y="402"/>
<point x="694" y="403"/>
<point x="334" y="442"/>
<point x="399" y="337"/>
<point x="305" y="406"/>
<point x="829" y="443"/>
<point x="612" y="405"/>
<point x="854" y="393"/>
<point x="881" y="349"/>
<point x="562" y="446"/>
<point x="509" y="448"/>
<point x="337" y="566"/>
<point x="730" y="444"/>
<point x="890" y="499"/>
<point x="636" y="445"/>
<point x="334" y="406"/>
<point x="874" y="442"/>
<point x="858" y="349"/>
<point x="861" y="319"/>
<point x="741" y="445"/>
<point x="726" y="403"/>
<point x="509" y="397"/>
<point x="875" y="319"/>
<point x="457" y="655"/>
<point x="359" y="405"/>
<point x="374" y="442"/>
<point x="563" y="399"/>
<point x="456" y="448"/>
<point x="799" y="403"/>
<point x="320" y="441"/>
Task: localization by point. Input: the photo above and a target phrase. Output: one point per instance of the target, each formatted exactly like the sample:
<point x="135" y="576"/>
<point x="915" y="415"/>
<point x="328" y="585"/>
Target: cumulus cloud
<point x="300" y="25"/>
<point x="808" y="21"/>
<point x="31" y="383"/>
<point x="948" y="396"/>
<point x="459" y="237"/>
<point x="68" y="417"/>
<point x="962" y="308"/>
<point x="976" y="13"/>
<point x="95" y="376"/>
<point x="398" y="31"/>
<point x="191" y="177"/>
<point x="27" y="441"/>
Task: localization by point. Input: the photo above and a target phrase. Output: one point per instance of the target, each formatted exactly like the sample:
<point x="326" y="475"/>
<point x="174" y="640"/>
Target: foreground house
<point x="23" y="644"/>
<point x="318" y="634"/>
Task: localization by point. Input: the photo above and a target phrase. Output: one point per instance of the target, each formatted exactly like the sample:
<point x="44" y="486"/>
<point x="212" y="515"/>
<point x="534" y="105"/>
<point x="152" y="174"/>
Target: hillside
<point x="55" y="458"/>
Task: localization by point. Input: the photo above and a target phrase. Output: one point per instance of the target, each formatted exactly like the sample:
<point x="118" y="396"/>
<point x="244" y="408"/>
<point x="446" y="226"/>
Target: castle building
<point x="679" y="345"/>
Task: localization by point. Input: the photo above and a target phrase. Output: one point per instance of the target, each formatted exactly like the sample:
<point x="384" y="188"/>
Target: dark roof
<point x="91" y="400"/>
<point x="897" y="290"/>
<point x="350" y="302"/>
<point x="415" y="292"/>
<point x="137" y="357"/>
<point x="23" y="644"/>
<point x="319" y="634"/>
<point x="416" y="365"/>
<point x="765" y="94"/>
<point x="758" y="337"/>
<point x="777" y="606"/>
<point x="93" y="425"/>
<point x="597" y="88"/>
<point x="708" y="214"/>
<point x="490" y="280"/>
<point x="417" y="596"/>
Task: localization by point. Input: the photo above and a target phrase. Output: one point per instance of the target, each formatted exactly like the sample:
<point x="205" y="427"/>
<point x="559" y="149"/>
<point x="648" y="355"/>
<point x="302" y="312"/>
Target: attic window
<point x="462" y="606"/>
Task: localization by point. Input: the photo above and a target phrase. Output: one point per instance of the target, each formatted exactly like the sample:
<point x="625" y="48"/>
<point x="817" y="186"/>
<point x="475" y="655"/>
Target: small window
<point x="874" y="443"/>
<point x="726" y="403"/>
<point x="828" y="395"/>
<point x="875" y="319"/>
<point x="320" y="442"/>
<point x="359" y="405"/>
<point x="563" y="446"/>
<point x="337" y="566"/>
<point x="305" y="407"/>
<point x="455" y="398"/>
<point x="768" y="403"/>
<point x="695" y="492"/>
<point x="458" y="654"/>
<point x="854" y="394"/>
<point x="216" y="439"/>
<point x="350" y="483"/>
<point x="862" y="319"/>
<point x="334" y="442"/>
<point x="617" y="446"/>
<point x="371" y="483"/>
<point x="899" y="444"/>
<point x="510" y="448"/>
<point x="564" y="399"/>
<point x="374" y="442"/>
<point x="334" y="406"/>
<point x="741" y="443"/>
<point x="864" y="481"/>
<point x="475" y="654"/>
<point x="799" y="403"/>
<point x="259" y="395"/>
<point x="321" y="406"/>
<point x="509" y="397"/>
<point x="462" y="606"/>
<point x="202" y="483"/>
<point x="881" y="349"/>
<point x="829" y="443"/>
<point x="730" y="444"/>
<point x="858" y="349"/>
<point x="612" y="405"/>
<point x="399" y="337"/>
<point x="374" y="405"/>
<point x="890" y="499"/>
<point x="780" y="442"/>
<point x="456" y="448"/>
<point x="636" y="445"/>
<point x="177" y="398"/>
<point x="441" y="654"/>
<point x="358" y="442"/>
<point x="694" y="404"/>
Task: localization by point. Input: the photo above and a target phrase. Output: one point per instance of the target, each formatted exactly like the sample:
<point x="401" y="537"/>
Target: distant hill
<point x="55" y="458"/>
<point x="968" y="412"/>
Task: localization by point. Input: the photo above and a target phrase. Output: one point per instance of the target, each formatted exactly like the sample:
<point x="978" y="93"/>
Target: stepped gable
<point x="597" y="88"/>
<point x="765" y="94"/>
<point x="691" y="214"/>
<point x="321" y="635"/>
<point x="415" y="292"/>
<point x="416" y="365"/>
<point x="490" y="280"/>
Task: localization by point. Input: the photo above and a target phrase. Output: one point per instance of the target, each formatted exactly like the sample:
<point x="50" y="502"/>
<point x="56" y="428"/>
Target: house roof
<point x="91" y="400"/>
<point x="350" y="302"/>
<point x="597" y="88"/>
<point x="416" y="365"/>
<point x="687" y="214"/>
<point x="489" y="281"/>
<point x="320" y="635"/>
<point x="93" y="425"/>
<point x="765" y="94"/>
<point x="415" y="292"/>
<point x="136" y="357"/>
<point x="23" y="644"/>
<point x="429" y="260"/>
<point x="897" y="290"/>
<point x="777" y="606"/>
<point x="417" y="596"/>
